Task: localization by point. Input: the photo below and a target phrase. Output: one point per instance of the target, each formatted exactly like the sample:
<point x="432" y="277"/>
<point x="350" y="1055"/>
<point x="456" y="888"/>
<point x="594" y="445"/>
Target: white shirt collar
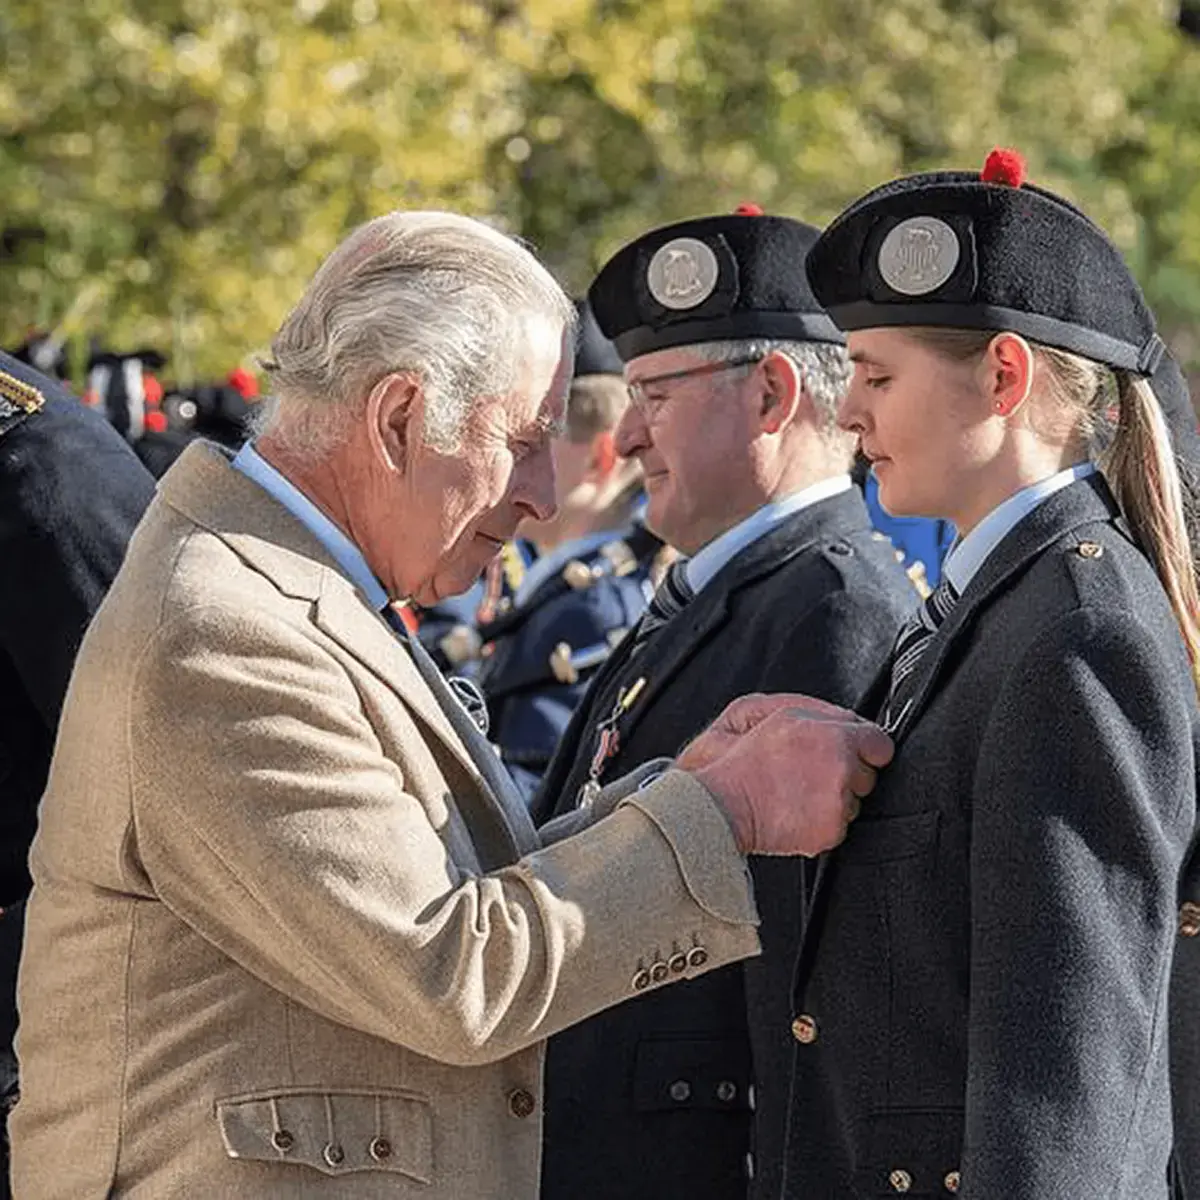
<point x="970" y="553"/>
<point x="340" y="548"/>
<point x="705" y="564"/>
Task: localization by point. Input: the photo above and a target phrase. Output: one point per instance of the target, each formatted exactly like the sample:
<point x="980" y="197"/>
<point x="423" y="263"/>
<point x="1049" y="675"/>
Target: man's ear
<point x="780" y="397"/>
<point x="1006" y="373"/>
<point x="395" y="414"/>
<point x="603" y="457"/>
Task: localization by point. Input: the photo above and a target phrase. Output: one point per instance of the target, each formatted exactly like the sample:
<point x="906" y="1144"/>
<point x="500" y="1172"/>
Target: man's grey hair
<point x="442" y="296"/>
<point x="826" y="368"/>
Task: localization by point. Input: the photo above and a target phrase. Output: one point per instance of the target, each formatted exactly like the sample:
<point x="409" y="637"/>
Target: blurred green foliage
<point x="173" y="170"/>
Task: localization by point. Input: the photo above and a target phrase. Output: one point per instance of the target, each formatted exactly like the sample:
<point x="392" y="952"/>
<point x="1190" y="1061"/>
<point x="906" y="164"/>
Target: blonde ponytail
<point x="1141" y="469"/>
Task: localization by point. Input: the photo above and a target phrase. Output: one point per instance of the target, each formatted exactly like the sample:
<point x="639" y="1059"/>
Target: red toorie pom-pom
<point x="1004" y="166"/>
<point x="156" y="421"/>
<point x="242" y="382"/>
<point x="152" y="389"/>
<point x="748" y="210"/>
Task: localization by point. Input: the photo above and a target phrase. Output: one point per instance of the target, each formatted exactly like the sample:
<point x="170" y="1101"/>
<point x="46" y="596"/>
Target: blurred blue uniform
<point x="574" y="604"/>
<point x="919" y="539"/>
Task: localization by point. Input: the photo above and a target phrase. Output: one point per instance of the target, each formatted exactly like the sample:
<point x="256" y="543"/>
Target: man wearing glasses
<point x="735" y="376"/>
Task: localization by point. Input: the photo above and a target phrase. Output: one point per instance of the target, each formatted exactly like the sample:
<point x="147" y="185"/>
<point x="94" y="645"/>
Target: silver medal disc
<point x="918" y="256"/>
<point x="682" y="274"/>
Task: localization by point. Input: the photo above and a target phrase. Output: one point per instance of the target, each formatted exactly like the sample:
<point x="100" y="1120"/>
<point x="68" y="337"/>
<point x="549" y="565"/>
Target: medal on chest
<point x="608" y="740"/>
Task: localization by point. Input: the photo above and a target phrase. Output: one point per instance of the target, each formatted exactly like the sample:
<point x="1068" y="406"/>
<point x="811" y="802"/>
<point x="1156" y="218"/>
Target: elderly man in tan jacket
<point x="292" y="934"/>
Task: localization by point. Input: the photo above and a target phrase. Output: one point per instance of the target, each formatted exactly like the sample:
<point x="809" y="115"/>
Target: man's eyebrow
<point x="549" y="426"/>
<point x="861" y="356"/>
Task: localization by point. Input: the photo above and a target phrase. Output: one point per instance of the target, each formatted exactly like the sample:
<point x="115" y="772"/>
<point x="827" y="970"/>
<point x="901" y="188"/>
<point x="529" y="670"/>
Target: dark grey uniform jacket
<point x="652" y="1098"/>
<point x="984" y="973"/>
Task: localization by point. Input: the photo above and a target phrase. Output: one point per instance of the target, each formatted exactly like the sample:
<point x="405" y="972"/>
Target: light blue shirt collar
<point x="339" y="547"/>
<point x="970" y="553"/>
<point x="705" y="564"/>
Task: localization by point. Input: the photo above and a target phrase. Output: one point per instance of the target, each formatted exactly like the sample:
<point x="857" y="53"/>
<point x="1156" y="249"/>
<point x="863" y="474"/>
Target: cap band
<point x="1061" y="335"/>
<point x="779" y="327"/>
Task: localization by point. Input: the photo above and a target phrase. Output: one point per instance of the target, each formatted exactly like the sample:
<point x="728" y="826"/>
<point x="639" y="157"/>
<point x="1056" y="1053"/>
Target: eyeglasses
<point x="637" y="388"/>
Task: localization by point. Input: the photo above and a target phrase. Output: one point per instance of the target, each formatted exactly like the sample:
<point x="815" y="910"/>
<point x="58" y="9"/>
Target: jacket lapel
<point x="205" y="488"/>
<point x="669" y="651"/>
<point x="1082" y="503"/>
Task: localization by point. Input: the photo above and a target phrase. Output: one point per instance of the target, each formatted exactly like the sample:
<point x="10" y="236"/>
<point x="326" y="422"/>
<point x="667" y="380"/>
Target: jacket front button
<point x="726" y="1091"/>
<point x="380" y="1149"/>
<point x="283" y="1141"/>
<point x="804" y="1029"/>
<point x="901" y="1181"/>
<point x="681" y="1091"/>
<point x="952" y="1182"/>
<point x="334" y="1154"/>
<point x="520" y="1103"/>
<point x="1189" y="920"/>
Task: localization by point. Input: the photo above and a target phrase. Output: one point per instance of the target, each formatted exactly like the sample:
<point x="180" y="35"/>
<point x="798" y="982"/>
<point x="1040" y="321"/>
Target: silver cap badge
<point x="918" y="256"/>
<point x="682" y="274"/>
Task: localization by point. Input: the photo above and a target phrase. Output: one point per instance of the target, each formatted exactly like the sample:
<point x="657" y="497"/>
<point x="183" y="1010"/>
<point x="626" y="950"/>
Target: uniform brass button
<point x="641" y="980"/>
<point x="520" y="1103"/>
<point x="380" y="1149"/>
<point x="1090" y="550"/>
<point x="952" y="1182"/>
<point x="726" y="1091"/>
<point x="334" y="1154"/>
<point x="901" y="1181"/>
<point x="1189" y="920"/>
<point x="677" y="962"/>
<point x="680" y="1091"/>
<point x="697" y="956"/>
<point x="577" y="575"/>
<point x="282" y="1140"/>
<point x="659" y="971"/>
<point x="804" y="1029"/>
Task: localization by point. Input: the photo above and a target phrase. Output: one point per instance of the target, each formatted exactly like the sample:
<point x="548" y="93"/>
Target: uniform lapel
<point x="670" y="649"/>
<point x="1081" y="503"/>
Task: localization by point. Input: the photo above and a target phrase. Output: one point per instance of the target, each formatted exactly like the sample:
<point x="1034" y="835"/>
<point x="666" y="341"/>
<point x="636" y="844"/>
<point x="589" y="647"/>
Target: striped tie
<point x="911" y="643"/>
<point x="671" y="599"/>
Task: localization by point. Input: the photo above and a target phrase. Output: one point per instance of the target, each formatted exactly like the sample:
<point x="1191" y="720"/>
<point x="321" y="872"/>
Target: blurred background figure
<point x="589" y="582"/>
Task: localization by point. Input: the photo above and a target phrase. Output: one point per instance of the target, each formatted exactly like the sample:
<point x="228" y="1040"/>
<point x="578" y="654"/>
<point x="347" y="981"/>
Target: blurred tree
<point x="174" y="169"/>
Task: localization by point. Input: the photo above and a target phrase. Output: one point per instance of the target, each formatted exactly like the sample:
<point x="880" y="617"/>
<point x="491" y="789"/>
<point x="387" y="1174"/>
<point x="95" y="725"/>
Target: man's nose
<point x="632" y="433"/>
<point x="533" y="490"/>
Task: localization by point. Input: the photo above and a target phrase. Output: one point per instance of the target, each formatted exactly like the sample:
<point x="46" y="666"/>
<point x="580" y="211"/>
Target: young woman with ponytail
<point x="981" y="1000"/>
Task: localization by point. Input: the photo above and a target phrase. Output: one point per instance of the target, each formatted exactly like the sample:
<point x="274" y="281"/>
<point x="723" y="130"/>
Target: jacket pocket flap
<point x="871" y="840"/>
<point x="692" y="1073"/>
<point x="334" y="1132"/>
<point x="916" y="1151"/>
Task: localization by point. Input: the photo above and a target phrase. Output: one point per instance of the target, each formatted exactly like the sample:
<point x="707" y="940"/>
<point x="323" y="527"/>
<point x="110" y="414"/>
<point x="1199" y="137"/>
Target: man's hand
<point x="789" y="770"/>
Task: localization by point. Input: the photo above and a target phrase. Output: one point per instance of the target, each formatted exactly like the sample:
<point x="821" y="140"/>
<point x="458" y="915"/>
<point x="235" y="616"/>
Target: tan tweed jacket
<point x="283" y="942"/>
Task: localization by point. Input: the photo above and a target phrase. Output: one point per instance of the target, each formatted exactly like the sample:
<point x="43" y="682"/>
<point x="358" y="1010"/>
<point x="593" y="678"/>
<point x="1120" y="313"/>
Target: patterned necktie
<point x="669" y="601"/>
<point x="911" y="643"/>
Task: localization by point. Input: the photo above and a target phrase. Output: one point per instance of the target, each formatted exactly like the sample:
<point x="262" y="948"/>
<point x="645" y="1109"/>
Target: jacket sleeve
<point x="1083" y="804"/>
<point x="71" y="493"/>
<point x="269" y="819"/>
